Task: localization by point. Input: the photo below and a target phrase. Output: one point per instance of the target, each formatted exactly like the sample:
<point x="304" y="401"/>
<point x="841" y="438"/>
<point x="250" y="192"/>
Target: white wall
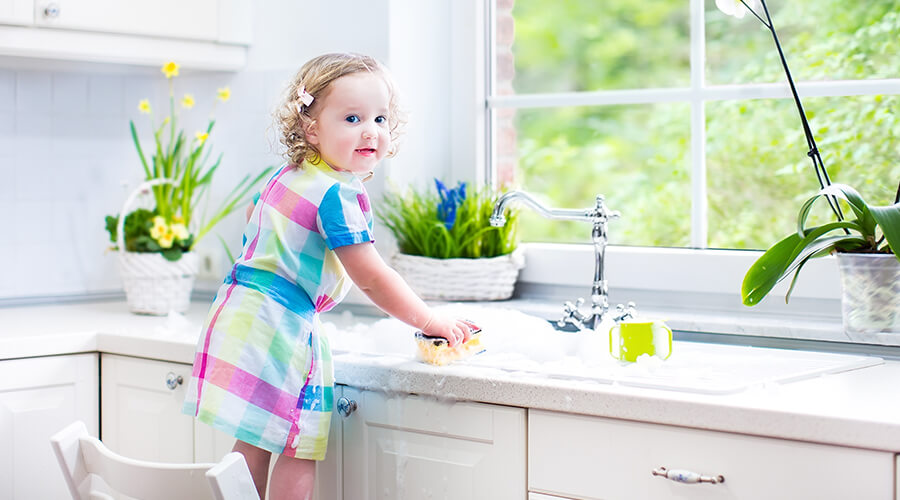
<point x="66" y="157"/>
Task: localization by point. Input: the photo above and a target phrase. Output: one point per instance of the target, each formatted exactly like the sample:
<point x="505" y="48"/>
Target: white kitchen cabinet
<point x="39" y="397"/>
<point x="412" y="447"/>
<point x="200" y="34"/>
<point x="897" y="478"/>
<point x="140" y="409"/>
<point x="141" y="413"/>
<point x="581" y="457"/>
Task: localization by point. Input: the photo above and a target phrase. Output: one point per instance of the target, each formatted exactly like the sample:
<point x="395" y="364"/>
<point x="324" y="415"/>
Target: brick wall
<point x="505" y="141"/>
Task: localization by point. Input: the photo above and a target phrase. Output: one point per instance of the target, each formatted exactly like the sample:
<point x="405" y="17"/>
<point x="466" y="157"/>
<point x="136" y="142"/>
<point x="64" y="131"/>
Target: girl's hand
<point x="456" y="331"/>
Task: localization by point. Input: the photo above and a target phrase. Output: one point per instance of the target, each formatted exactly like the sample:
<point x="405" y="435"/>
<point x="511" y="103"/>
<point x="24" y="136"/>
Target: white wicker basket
<point x="154" y="285"/>
<point x="461" y="279"/>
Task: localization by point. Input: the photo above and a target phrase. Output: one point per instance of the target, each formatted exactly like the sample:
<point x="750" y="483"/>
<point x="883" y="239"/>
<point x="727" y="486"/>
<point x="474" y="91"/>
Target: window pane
<point x="637" y="156"/>
<point x="821" y="39"/>
<point x="759" y="174"/>
<point x="578" y="45"/>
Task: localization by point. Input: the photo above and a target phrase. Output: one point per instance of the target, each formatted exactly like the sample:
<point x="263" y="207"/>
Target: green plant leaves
<point x="794" y="251"/>
<point x="852" y="197"/>
<point x="413" y="219"/>
<point x="768" y="270"/>
<point x="888" y="219"/>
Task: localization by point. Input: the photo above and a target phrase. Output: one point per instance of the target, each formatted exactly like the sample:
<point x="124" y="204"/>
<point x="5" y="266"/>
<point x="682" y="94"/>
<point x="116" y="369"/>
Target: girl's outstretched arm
<point x="392" y="295"/>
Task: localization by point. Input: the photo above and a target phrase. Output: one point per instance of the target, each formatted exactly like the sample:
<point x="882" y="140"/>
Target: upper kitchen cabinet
<point x="198" y="34"/>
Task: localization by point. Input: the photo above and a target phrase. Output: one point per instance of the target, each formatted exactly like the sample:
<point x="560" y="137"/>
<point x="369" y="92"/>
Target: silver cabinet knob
<point x="173" y="381"/>
<point x="346" y="406"/>
<point x="51" y="10"/>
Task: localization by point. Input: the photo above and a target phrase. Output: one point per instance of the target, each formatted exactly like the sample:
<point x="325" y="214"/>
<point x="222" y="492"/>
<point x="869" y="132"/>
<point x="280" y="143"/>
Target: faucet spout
<point x="498" y="217"/>
<point x="598" y="216"/>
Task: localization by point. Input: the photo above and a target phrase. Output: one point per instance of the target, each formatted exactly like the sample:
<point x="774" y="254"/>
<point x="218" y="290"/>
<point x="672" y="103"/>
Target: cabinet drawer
<point x="590" y="457"/>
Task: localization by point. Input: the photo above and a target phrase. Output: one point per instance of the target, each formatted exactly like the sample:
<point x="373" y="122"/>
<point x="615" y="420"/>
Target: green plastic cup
<point x="633" y="338"/>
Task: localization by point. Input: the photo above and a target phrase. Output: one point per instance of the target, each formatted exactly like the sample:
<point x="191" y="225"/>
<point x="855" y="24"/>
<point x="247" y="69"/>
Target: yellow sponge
<point x="436" y="350"/>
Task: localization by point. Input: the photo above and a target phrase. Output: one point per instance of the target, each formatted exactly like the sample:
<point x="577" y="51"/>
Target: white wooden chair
<point x="92" y="471"/>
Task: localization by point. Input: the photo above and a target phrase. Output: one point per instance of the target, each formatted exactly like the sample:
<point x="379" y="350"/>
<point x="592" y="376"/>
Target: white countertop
<point x="857" y="408"/>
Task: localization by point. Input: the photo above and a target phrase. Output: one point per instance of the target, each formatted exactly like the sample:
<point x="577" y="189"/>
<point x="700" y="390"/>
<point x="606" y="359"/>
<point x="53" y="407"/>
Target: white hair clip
<point x="305" y="97"/>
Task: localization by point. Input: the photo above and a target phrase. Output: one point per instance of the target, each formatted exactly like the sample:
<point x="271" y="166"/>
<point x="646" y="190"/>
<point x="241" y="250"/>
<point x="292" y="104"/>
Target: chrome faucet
<point x="598" y="215"/>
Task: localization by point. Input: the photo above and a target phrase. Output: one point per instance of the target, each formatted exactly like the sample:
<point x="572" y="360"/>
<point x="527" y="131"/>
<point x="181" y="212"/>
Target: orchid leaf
<point x="800" y="264"/>
<point x="888" y="219"/>
<point x="768" y="269"/>
<point x="851" y="196"/>
<point x="817" y="247"/>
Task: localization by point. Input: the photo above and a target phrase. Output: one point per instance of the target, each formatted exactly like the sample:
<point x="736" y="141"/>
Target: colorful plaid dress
<point x="262" y="371"/>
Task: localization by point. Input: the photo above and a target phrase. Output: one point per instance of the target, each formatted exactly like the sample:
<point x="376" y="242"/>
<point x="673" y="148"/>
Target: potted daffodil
<point x="155" y="242"/>
<point x="448" y="249"/>
<point x="865" y="238"/>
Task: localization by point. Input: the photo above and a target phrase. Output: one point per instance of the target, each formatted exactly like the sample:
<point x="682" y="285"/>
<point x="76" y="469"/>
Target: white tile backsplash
<point x="106" y="95"/>
<point x="7" y="91"/>
<point x="33" y="92"/>
<point x="7" y="131"/>
<point x="67" y="160"/>
<point x="69" y="93"/>
<point x="65" y="146"/>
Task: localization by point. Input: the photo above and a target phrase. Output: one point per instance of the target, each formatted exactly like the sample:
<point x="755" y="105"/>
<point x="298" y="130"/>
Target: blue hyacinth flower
<point x="450" y="201"/>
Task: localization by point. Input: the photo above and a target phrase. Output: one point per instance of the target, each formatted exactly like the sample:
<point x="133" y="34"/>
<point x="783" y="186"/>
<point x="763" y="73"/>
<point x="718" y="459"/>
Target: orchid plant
<point x="873" y="230"/>
<point x="171" y="227"/>
<point x="447" y="222"/>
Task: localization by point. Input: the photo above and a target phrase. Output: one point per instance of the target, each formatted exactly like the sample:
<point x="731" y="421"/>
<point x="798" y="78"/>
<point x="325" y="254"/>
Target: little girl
<point x="262" y="372"/>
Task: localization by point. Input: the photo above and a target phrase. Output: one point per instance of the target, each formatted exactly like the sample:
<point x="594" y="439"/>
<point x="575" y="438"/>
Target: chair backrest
<point x="93" y="471"/>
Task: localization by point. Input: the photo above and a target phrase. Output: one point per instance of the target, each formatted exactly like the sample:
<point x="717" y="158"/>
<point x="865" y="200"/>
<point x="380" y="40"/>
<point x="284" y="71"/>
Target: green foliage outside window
<point x="639" y="155"/>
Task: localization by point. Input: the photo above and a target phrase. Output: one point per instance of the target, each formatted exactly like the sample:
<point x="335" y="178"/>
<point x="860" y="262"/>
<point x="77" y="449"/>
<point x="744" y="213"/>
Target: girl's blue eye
<point x="380" y="119"/>
<point x="352" y="119"/>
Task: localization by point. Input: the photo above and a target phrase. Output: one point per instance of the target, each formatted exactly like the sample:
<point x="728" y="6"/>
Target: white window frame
<point x="699" y="286"/>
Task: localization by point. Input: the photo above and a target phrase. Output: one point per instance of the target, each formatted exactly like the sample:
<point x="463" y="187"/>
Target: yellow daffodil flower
<point x="159" y="228"/>
<point x="201" y="137"/>
<point x="167" y="238"/>
<point x="144" y="106"/>
<point x="180" y="231"/>
<point x="223" y="94"/>
<point x="170" y="69"/>
<point x="187" y="102"/>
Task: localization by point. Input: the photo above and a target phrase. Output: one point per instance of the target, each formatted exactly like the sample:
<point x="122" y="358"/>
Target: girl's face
<point x="351" y="129"/>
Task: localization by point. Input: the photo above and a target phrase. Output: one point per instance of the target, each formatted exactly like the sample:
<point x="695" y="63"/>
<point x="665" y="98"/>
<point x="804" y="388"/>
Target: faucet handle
<point x="571" y="314"/>
<point x="569" y="307"/>
<point x="601" y="210"/>
<point x="624" y="312"/>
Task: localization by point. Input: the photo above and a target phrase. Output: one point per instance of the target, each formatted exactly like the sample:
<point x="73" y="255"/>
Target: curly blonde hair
<point x="293" y="117"/>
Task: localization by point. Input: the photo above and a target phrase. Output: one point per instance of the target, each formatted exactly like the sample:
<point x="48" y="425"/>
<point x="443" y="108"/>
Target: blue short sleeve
<point x="345" y="216"/>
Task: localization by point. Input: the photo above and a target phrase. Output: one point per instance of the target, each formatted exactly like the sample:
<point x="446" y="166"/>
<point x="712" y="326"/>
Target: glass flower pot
<point x="870" y="300"/>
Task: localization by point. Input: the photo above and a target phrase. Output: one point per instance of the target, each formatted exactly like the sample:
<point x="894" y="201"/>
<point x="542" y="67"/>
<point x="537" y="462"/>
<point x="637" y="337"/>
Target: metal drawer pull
<point x="687" y="477"/>
<point x="173" y="381"/>
<point x="346" y="406"/>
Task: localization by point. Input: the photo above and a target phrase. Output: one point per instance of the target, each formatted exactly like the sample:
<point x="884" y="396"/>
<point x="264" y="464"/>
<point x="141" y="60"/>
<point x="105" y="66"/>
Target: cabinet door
<point x="189" y="19"/>
<point x="412" y="447"/>
<point x="16" y="12"/>
<point x="210" y="445"/>
<point x="328" y="471"/>
<point x="577" y="456"/>
<point x="39" y="397"/>
<point x="141" y="409"/>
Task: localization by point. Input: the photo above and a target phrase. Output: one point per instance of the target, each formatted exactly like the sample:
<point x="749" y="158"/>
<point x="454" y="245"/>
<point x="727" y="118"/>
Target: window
<point x="680" y="116"/>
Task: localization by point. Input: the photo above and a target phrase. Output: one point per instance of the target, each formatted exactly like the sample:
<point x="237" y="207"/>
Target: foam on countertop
<point x="517" y="342"/>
